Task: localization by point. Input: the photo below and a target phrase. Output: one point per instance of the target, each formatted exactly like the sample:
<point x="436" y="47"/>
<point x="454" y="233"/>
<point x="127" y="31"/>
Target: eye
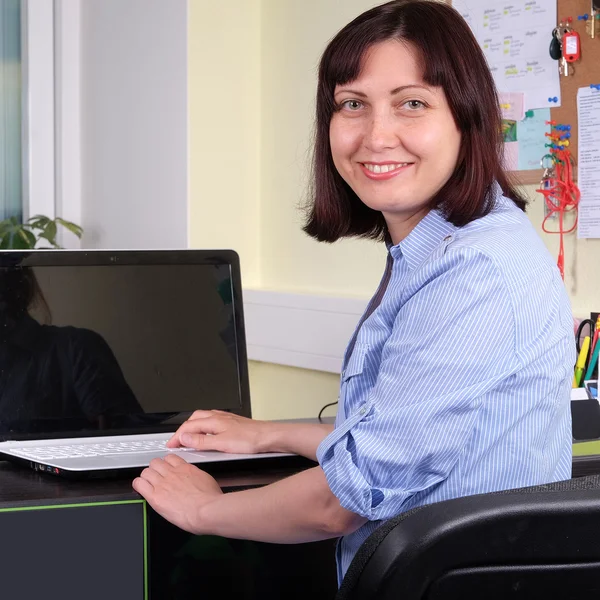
<point x="351" y="105"/>
<point x="414" y="104"/>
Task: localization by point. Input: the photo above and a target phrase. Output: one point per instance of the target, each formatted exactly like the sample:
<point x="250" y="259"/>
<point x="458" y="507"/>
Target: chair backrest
<point x="535" y="542"/>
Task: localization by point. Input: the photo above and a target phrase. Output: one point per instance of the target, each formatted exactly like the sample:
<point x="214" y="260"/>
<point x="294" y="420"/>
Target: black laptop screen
<point x="105" y="349"/>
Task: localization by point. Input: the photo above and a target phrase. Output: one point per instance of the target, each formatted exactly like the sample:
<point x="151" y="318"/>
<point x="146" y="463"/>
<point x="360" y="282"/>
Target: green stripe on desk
<point x="586" y="448"/>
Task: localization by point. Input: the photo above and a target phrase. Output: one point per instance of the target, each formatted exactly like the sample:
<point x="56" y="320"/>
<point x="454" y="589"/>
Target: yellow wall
<point x="282" y="56"/>
<point x="224" y="128"/>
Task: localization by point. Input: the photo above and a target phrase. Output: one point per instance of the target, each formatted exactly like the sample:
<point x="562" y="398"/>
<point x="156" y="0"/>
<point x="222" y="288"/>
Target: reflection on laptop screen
<point x="117" y="349"/>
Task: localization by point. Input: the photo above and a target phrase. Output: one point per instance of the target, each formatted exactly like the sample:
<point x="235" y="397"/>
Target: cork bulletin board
<point x="586" y="72"/>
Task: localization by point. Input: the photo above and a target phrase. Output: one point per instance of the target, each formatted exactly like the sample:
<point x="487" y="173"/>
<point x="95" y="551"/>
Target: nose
<point x="381" y="134"/>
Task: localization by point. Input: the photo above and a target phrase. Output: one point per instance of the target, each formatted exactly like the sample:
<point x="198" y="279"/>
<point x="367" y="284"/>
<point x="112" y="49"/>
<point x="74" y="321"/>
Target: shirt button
<point x="362" y="411"/>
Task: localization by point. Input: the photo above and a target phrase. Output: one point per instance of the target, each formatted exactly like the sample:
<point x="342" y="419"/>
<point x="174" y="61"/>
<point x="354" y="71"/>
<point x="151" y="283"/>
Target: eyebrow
<point x="392" y="93"/>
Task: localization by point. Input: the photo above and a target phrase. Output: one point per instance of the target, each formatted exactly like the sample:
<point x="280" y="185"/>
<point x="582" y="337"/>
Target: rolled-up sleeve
<point x="452" y="341"/>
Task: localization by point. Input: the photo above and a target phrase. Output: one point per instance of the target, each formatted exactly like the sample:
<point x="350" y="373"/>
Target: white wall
<point x="134" y="123"/>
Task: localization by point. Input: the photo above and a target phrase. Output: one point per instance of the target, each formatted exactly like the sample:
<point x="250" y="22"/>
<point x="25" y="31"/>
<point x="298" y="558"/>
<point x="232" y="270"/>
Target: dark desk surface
<point x="19" y="485"/>
<point x="219" y="567"/>
<point x="222" y="569"/>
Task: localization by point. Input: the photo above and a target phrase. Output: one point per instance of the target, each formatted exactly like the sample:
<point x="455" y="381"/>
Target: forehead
<point x="390" y="62"/>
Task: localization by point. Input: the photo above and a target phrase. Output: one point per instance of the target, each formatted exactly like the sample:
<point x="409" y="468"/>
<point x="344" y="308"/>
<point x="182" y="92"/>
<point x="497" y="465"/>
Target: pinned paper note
<point x="515" y="38"/>
<point x="511" y="156"/>
<point x="512" y="105"/>
<point x="588" y="117"/>
<point x="531" y="136"/>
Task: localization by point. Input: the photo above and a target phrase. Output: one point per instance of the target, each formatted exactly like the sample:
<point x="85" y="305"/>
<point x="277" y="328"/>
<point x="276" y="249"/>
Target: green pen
<point x="593" y="362"/>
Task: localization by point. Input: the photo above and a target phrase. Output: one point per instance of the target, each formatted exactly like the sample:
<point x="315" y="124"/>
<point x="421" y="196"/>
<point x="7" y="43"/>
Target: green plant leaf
<point x="5" y="226"/>
<point x="19" y="242"/>
<point x="72" y="227"/>
<point x="49" y="232"/>
<point x="27" y="237"/>
<point x="21" y="236"/>
<point x="38" y="221"/>
<point x="12" y="236"/>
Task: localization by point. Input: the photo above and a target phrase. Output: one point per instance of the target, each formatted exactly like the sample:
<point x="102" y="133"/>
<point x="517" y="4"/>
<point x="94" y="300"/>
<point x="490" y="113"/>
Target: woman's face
<point x="393" y="137"/>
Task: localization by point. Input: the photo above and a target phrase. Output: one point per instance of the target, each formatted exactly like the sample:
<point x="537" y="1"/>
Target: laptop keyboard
<point x="86" y="450"/>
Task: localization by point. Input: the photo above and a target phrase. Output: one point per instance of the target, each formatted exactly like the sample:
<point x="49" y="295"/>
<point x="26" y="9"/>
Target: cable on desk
<point x="326" y="406"/>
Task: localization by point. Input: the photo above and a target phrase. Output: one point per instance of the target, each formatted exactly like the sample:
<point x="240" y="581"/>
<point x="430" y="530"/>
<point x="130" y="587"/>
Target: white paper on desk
<point x="515" y="38"/>
<point x="588" y="162"/>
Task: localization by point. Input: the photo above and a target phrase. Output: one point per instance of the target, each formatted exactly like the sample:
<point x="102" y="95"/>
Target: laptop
<point x="103" y="354"/>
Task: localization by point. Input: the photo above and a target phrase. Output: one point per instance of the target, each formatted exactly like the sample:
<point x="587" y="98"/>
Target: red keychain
<point x="571" y="46"/>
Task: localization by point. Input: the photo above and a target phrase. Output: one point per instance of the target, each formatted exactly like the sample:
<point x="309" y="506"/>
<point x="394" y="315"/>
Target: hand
<point x="222" y="431"/>
<point x="177" y="491"/>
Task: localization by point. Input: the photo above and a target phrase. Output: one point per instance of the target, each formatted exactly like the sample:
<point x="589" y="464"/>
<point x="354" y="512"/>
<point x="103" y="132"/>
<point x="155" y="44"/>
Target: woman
<point x="457" y="379"/>
<point x="53" y="378"/>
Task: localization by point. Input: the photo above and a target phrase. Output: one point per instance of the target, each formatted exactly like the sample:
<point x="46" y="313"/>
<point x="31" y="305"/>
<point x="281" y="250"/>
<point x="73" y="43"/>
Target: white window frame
<point x="37" y="28"/>
<point x="67" y="115"/>
<point x="51" y="59"/>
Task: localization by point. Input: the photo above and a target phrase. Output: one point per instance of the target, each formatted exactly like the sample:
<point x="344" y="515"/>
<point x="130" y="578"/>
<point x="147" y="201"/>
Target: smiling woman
<point x="434" y="402"/>
<point x="393" y="137"/>
<point x="438" y="68"/>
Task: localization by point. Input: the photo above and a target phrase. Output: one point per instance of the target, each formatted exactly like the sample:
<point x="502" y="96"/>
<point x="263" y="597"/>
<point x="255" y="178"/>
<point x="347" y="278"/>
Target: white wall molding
<point x="67" y="46"/>
<point x="38" y="108"/>
<point x="298" y="330"/>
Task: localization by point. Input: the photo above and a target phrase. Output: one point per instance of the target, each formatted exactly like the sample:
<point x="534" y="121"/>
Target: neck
<point x="400" y="225"/>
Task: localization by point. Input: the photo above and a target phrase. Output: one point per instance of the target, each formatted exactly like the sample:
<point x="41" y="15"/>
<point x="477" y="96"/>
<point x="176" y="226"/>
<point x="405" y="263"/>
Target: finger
<point x="174" y="461"/>
<point x="142" y="487"/>
<point x="201" y="441"/>
<point x="160" y="466"/>
<point x="200" y="414"/>
<point x="203" y="426"/>
<point x="152" y="476"/>
<point x="173" y="442"/>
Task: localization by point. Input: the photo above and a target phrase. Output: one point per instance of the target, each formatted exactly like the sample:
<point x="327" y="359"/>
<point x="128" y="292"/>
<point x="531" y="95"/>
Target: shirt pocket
<point x="356" y="362"/>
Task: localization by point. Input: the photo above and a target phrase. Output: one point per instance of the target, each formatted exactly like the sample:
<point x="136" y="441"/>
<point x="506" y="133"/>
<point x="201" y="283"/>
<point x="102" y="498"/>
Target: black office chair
<point x="539" y="542"/>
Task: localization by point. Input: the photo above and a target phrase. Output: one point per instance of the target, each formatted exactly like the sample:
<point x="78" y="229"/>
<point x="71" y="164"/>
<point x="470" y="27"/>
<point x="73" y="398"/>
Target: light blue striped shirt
<point x="458" y="382"/>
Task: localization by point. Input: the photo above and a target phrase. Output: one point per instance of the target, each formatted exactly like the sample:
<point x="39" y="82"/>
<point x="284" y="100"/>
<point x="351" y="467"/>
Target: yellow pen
<point x="580" y="365"/>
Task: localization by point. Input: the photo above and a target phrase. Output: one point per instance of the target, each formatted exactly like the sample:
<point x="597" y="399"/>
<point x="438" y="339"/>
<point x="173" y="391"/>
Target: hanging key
<point x="566" y="68"/>
<point x="555" y="45"/>
<point x="571" y="46"/>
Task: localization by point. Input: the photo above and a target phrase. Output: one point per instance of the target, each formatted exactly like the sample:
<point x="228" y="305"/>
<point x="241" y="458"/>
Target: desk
<point x="103" y="536"/>
<point x="179" y="565"/>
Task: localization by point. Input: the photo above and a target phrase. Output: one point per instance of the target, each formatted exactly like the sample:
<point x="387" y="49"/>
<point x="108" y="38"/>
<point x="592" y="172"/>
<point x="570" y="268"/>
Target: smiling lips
<point x="379" y="171"/>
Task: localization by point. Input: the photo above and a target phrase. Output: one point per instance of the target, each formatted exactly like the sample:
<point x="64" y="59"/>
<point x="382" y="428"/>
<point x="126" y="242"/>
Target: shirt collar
<point x="429" y="233"/>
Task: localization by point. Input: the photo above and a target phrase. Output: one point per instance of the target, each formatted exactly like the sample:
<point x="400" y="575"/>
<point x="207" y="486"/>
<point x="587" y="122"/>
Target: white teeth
<point x="384" y="168"/>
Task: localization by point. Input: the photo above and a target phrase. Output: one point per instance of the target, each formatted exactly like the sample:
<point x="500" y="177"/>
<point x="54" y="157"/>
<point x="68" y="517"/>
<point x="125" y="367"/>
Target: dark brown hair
<point x="19" y="293"/>
<point x="451" y="59"/>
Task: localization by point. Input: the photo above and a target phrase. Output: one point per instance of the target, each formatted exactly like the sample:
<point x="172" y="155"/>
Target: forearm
<point x="298" y="509"/>
<point x="297" y="438"/>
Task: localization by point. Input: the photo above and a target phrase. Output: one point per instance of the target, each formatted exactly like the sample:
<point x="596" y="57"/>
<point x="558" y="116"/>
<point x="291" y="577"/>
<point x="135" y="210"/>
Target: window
<point x="11" y="152"/>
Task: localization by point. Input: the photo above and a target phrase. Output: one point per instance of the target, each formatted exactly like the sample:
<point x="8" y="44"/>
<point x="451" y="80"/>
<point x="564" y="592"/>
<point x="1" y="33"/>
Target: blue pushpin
<point x="568" y="128"/>
<point x="555" y="99"/>
<point x="583" y="17"/>
<point x="595" y="86"/>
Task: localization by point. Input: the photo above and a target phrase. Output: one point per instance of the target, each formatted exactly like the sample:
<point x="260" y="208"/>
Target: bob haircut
<point x="20" y="292"/>
<point x="451" y="59"/>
